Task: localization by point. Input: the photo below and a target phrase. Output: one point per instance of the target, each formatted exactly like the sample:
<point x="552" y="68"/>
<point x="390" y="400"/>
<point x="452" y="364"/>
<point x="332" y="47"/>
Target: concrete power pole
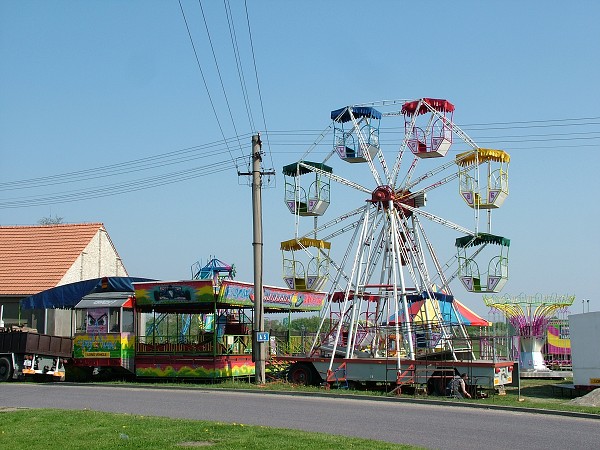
<point x="259" y="337"/>
<point x="259" y="320"/>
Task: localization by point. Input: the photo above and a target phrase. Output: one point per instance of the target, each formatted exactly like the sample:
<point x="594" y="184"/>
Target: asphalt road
<point x="431" y="426"/>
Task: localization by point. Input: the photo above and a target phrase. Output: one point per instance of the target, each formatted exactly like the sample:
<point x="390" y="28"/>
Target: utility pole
<point x="259" y="337"/>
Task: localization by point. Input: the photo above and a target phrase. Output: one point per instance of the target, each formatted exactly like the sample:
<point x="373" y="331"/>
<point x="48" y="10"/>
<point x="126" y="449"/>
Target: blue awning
<point x="424" y="295"/>
<point x="68" y="295"/>
<point x="343" y="114"/>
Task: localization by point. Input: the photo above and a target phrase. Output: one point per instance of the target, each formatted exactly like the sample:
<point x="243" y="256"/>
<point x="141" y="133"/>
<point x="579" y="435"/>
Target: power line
<point x="262" y="109"/>
<point x="188" y="154"/>
<point x="220" y="77"/>
<point x="116" y="189"/>
<point x="204" y="79"/>
<point x="530" y="121"/>
<point x="238" y="62"/>
<point x="151" y="162"/>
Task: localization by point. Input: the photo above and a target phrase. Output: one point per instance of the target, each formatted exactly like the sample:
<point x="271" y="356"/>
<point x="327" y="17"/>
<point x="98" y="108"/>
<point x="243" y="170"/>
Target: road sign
<point x="262" y="336"/>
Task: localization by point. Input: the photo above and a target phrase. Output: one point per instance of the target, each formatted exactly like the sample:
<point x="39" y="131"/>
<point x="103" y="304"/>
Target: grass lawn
<point x="538" y="393"/>
<point x="90" y="430"/>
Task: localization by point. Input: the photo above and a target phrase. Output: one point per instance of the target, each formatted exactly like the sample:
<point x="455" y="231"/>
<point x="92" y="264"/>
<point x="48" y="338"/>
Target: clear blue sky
<point x="111" y="93"/>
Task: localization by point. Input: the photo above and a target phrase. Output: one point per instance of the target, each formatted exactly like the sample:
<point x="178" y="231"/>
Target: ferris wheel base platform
<point x="394" y="371"/>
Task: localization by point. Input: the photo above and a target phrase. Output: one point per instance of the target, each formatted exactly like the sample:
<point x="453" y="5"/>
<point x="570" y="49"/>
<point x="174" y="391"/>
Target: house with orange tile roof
<point x="39" y="257"/>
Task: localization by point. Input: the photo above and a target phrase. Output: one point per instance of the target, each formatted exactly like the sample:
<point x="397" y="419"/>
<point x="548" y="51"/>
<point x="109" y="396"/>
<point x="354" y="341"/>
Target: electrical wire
<point x="212" y="48"/>
<point x="204" y="79"/>
<point x="116" y="189"/>
<point x="126" y="167"/>
<point x="267" y="140"/>
<point x="238" y="63"/>
<point x="189" y="154"/>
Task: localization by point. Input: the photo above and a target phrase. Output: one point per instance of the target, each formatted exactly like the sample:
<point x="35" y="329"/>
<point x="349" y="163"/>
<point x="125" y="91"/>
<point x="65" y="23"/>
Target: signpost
<point x="262" y="336"/>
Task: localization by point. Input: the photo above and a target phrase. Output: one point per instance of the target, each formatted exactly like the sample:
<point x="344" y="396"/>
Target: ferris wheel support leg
<point x="397" y="265"/>
<point x="356" y="275"/>
<point x="347" y="295"/>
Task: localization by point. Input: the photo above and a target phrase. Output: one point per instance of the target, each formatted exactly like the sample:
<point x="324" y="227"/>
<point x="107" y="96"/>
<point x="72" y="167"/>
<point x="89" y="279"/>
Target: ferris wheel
<point x="389" y="293"/>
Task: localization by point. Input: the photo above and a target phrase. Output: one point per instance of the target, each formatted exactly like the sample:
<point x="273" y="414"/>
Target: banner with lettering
<point x="242" y="294"/>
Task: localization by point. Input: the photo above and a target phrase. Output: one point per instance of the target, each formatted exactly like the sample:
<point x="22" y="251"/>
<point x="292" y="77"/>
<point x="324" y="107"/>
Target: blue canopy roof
<point x="436" y="295"/>
<point x="343" y="114"/>
<point x="68" y="295"/>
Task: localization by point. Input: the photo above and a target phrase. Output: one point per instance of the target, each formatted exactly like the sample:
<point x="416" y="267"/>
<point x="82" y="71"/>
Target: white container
<point x="585" y="348"/>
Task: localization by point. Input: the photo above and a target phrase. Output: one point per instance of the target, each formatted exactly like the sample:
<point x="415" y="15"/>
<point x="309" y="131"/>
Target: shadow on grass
<point x="544" y="391"/>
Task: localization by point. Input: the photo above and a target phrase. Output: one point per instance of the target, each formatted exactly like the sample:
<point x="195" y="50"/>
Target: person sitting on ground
<point x="458" y="387"/>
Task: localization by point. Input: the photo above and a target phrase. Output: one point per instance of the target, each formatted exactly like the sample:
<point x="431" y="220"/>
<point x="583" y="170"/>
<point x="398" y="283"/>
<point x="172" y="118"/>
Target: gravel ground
<point x="589" y="399"/>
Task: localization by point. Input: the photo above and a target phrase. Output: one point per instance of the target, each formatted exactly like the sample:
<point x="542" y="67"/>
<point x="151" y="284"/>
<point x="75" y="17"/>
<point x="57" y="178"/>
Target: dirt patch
<point x="589" y="399"/>
<point x="10" y="409"/>
<point x="195" y="444"/>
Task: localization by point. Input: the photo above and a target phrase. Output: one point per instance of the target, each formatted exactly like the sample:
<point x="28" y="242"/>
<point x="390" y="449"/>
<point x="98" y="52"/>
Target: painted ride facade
<point x="181" y="329"/>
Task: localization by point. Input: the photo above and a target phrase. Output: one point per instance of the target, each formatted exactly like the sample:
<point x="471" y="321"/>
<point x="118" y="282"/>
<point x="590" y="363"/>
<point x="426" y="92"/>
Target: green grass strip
<point x="66" y="430"/>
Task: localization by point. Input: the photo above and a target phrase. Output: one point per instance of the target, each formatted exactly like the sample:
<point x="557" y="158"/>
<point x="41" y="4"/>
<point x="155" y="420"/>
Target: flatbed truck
<point x="25" y="353"/>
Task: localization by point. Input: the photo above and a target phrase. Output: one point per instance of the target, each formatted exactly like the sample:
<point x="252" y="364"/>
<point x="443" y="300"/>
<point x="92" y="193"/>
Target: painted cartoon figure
<point x="97" y="320"/>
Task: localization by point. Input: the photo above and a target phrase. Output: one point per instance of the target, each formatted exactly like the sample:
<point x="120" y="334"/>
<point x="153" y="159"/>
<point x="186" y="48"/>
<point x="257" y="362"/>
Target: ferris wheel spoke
<point x="383" y="164"/>
<point x="455" y="128"/>
<point x="317" y="141"/>
<point x="413" y="254"/>
<point x="377" y="249"/>
<point x="398" y="274"/>
<point x="363" y="144"/>
<point x="340" y="267"/>
<point x="335" y="178"/>
<point x="403" y="146"/>
<point x="338" y="220"/>
<point x="439" y="220"/>
<point x="430" y="174"/>
<point x="437" y="184"/>
<point x="439" y="271"/>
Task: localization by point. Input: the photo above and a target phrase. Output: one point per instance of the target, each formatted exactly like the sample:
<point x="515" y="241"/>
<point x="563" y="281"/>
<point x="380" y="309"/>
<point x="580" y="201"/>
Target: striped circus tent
<point x="421" y="310"/>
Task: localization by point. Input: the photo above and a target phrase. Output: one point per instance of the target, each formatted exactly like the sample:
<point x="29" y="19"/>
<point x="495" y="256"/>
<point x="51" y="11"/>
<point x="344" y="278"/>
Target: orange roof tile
<point x="35" y="258"/>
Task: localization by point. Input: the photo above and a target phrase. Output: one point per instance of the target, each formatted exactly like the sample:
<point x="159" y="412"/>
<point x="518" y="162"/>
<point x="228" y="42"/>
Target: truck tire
<point x="302" y="374"/>
<point x="6" y="369"/>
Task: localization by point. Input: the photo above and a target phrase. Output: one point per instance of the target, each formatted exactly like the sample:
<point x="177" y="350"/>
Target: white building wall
<point x="98" y="259"/>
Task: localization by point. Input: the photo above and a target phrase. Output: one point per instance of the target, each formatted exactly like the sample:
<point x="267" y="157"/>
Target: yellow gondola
<point x="303" y="270"/>
<point x="493" y="192"/>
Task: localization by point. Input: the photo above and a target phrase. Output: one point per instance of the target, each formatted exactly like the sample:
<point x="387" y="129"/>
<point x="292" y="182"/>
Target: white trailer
<point x="584" y="330"/>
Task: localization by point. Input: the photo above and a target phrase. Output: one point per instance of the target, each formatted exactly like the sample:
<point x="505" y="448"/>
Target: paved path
<point x="432" y="426"/>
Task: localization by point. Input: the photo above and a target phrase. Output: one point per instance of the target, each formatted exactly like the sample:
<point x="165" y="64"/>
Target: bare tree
<point x="50" y="220"/>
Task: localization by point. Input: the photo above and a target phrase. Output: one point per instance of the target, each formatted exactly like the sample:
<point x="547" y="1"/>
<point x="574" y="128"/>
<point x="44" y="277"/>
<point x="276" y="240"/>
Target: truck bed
<point x="40" y="344"/>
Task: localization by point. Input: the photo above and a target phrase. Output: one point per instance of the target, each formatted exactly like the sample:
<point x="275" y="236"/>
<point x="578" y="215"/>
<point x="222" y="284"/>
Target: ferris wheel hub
<point x="383" y="195"/>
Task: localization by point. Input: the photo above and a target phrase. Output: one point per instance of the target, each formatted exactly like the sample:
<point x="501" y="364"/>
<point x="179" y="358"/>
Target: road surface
<point x="431" y="426"/>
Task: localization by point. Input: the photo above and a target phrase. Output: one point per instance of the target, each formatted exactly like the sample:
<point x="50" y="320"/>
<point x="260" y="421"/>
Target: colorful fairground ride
<point x="376" y="258"/>
<point x="215" y="270"/>
<point x="536" y="322"/>
<point x="197" y="329"/>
